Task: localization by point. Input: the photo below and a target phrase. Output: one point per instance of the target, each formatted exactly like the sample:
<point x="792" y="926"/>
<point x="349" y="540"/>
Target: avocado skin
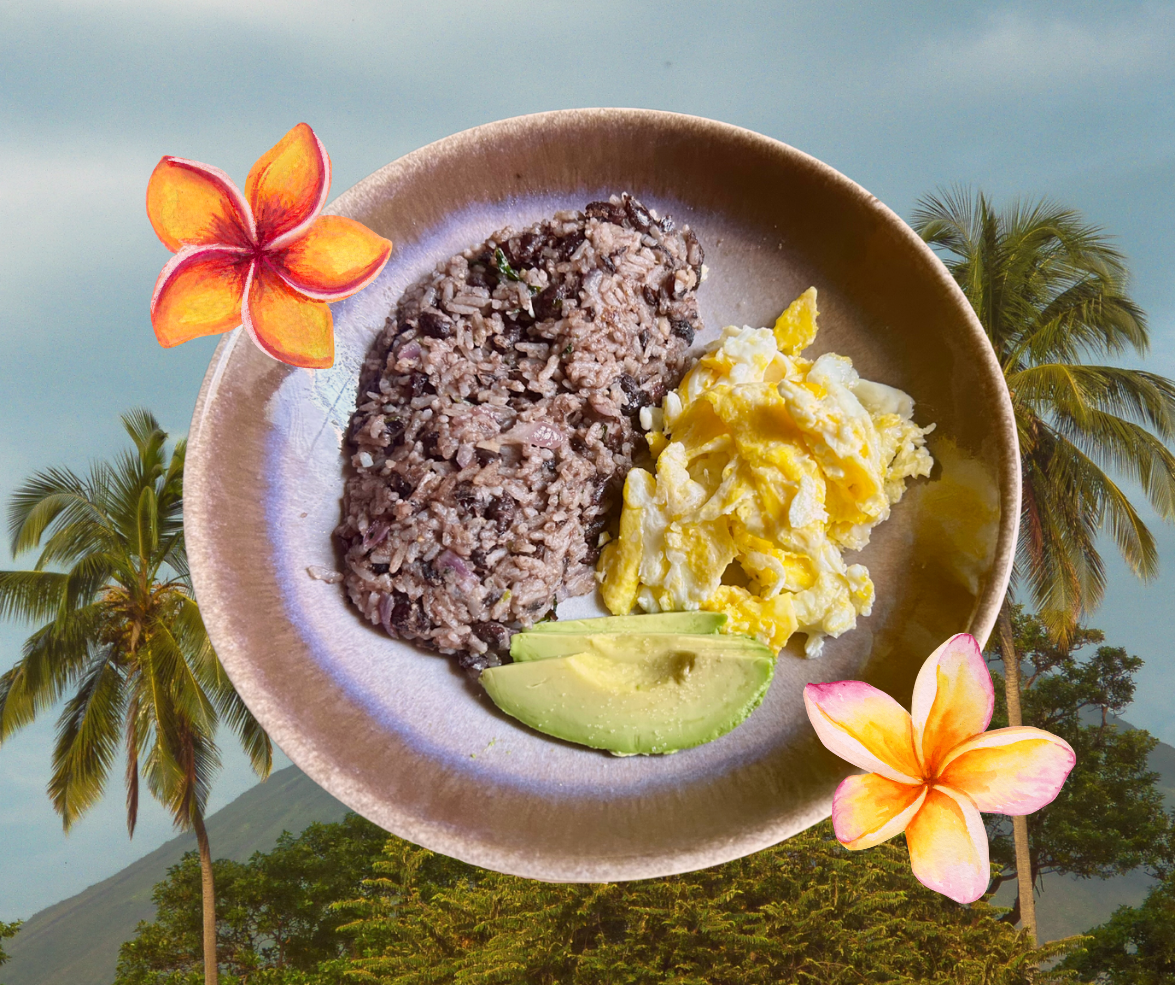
<point x="630" y="705"/>
<point x="544" y="646"/>
<point x="654" y="622"/>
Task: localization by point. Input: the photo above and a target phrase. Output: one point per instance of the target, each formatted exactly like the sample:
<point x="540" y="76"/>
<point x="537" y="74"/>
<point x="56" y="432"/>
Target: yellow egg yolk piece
<point x="768" y="467"/>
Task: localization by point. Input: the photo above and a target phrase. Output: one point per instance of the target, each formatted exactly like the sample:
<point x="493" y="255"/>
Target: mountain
<point x="76" y="941"/>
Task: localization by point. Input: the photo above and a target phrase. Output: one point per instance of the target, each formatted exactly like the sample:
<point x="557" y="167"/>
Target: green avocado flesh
<point x="655" y="622"/>
<point x="544" y="646"/>
<point x="659" y="701"/>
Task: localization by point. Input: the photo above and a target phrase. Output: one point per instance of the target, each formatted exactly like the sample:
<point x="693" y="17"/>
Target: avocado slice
<point x="635" y="702"/>
<point x="654" y="622"/>
<point x="543" y="646"/>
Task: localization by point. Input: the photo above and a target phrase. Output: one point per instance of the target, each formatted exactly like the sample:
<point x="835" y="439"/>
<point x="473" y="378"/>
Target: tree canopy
<point x="1136" y="946"/>
<point x="7" y="930"/>
<point x="804" y="911"/>
<point x="1109" y="817"/>
<point x="275" y="915"/>
<point x="1051" y="292"/>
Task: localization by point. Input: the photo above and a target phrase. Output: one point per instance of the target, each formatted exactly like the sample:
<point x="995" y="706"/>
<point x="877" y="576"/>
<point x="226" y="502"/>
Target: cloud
<point x="65" y="205"/>
<point x="1023" y="51"/>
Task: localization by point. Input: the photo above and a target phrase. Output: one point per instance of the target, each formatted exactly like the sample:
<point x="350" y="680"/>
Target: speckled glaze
<point x="399" y="735"/>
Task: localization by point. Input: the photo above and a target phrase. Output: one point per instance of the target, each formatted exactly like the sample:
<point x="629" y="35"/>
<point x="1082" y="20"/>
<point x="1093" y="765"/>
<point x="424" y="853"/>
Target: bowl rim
<point x="302" y="749"/>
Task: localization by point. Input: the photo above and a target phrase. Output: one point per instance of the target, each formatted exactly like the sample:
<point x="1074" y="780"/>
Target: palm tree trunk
<point x="209" y="888"/>
<point x="1024" y="881"/>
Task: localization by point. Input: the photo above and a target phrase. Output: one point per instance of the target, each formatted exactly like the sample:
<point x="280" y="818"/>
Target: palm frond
<point x="215" y="681"/>
<point x="1111" y="442"/>
<point x="52" y="660"/>
<point x="87" y="741"/>
<point x="45" y="501"/>
<point x="32" y="596"/>
<point x="1071" y="389"/>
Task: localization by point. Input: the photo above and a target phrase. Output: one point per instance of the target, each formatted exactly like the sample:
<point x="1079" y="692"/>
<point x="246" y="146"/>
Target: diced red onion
<point x="409" y="351"/>
<point x="385" y="611"/>
<point x="448" y="561"/>
<point x="544" y="434"/>
<point x="375" y="534"/>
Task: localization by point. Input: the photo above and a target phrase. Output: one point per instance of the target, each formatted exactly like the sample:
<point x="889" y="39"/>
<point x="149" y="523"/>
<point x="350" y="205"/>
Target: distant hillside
<point x="76" y="941"/>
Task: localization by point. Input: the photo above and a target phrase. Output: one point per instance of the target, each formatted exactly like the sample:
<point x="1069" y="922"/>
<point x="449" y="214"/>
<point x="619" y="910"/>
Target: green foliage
<point x="275" y="919"/>
<point x="1051" y="291"/>
<point x="7" y="930"/>
<point x="1109" y="817"/>
<point x="804" y="911"/>
<point x="1136" y="946"/>
<point x="119" y="635"/>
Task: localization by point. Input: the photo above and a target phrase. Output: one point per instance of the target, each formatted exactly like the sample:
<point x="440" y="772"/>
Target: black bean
<point x="606" y="262"/>
<point x="577" y="442"/>
<point x="524" y="250"/>
<point x="401" y="485"/>
<point x="403" y="611"/>
<point x="643" y="337"/>
<point x="482" y="276"/>
<point x="484" y="455"/>
<point x="479" y="559"/>
<point x="606" y="212"/>
<point x="475" y="663"/>
<point x="393" y="431"/>
<point x="493" y="634"/>
<point x="419" y="385"/>
<point x="637" y="213"/>
<point x="682" y="329"/>
<point x="428" y="442"/>
<point x="635" y="398"/>
<point x="504" y="340"/>
<point x="649" y="293"/>
<point x="570" y="243"/>
<point x="548" y="303"/>
<point x="466" y="496"/>
<point x="435" y="325"/>
<point x="430" y="574"/>
<point x="380" y="568"/>
<point x="501" y="511"/>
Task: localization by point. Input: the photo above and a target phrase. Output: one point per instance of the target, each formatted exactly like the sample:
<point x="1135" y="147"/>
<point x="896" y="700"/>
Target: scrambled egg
<point x="768" y="466"/>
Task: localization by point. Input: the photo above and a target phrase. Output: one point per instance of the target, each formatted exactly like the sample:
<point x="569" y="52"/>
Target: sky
<point x="1075" y="101"/>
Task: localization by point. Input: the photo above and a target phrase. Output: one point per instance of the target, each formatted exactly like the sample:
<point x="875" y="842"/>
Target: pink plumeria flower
<point x="934" y="769"/>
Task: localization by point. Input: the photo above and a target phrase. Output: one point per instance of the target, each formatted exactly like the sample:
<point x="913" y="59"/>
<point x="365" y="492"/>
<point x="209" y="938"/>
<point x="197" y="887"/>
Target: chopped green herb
<point x="604" y="433"/>
<point x="509" y="272"/>
<point x="569" y="350"/>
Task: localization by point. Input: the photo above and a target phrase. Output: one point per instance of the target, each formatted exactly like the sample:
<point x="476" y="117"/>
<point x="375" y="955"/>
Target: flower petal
<point x="190" y="203"/>
<point x="864" y="726"/>
<point x="286" y="325"/>
<point x="948" y="846"/>
<point x="870" y="809"/>
<point x="1010" y="770"/>
<point x="335" y="258"/>
<point x="199" y="293"/>
<point x="953" y="698"/>
<point x="287" y="187"/>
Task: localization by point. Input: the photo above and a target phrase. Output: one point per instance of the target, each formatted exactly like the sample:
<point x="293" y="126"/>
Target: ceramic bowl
<point x="399" y="734"/>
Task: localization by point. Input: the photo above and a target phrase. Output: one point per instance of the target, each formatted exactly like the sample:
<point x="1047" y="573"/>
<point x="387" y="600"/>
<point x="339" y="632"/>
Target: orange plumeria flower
<point x="266" y="259"/>
<point x="935" y="768"/>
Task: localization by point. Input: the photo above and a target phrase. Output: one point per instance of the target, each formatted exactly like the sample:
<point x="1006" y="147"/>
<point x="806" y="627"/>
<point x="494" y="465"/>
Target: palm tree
<point x="1050" y="291"/>
<point x="121" y="635"/>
